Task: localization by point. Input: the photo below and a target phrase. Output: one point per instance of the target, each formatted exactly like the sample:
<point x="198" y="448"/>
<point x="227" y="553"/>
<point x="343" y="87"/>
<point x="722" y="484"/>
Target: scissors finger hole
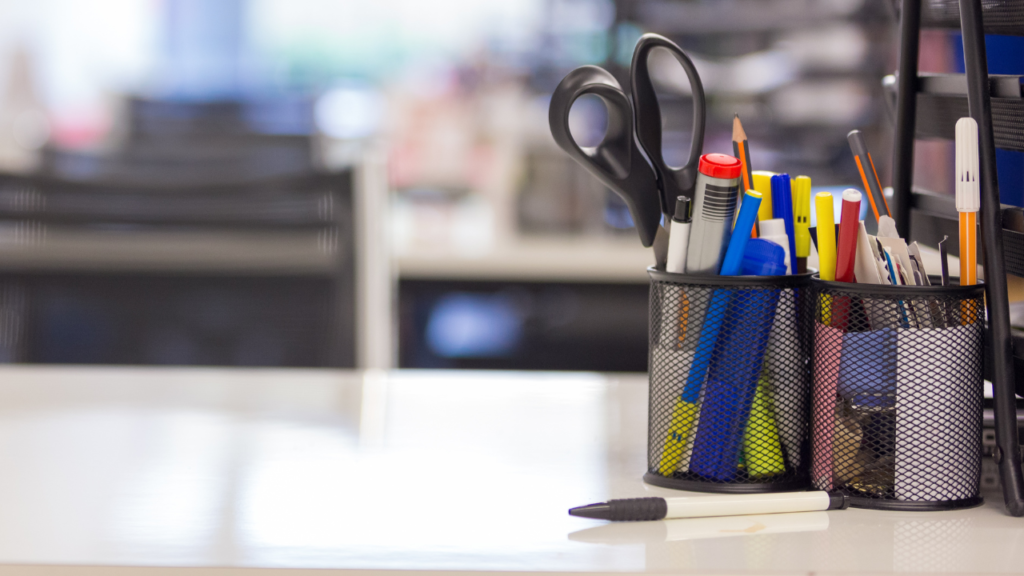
<point x="674" y="92"/>
<point x="588" y="120"/>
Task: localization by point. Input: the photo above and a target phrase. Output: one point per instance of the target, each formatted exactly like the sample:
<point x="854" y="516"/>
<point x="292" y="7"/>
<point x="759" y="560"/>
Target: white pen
<point x="678" y="237"/>
<point x="635" y="509"/>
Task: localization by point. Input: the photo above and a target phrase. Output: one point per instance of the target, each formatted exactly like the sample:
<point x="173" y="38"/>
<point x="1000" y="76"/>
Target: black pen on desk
<point x="639" y="509"/>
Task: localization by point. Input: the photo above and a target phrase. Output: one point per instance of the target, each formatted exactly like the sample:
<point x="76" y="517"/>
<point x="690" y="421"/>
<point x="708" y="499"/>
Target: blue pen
<point x="684" y="414"/>
<point x="782" y="207"/>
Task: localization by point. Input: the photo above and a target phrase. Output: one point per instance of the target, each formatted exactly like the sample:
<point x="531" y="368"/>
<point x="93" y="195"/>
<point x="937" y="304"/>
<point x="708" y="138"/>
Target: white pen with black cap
<point x="654" y="508"/>
<point x="678" y="237"/>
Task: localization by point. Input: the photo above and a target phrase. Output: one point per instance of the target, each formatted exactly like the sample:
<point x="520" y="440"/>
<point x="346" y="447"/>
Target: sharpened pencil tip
<point x="738" y="135"/>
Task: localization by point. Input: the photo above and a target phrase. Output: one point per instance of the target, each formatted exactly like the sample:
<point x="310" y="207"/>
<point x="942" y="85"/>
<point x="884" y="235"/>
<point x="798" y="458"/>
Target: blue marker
<point x="741" y="233"/>
<point x="732" y="384"/>
<point x="764" y="258"/>
<point x="782" y="207"/>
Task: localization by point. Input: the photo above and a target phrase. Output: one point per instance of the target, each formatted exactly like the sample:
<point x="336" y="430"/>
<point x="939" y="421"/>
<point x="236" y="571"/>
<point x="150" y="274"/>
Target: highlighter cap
<point x="682" y="213"/>
<point x="968" y="190"/>
<point x="763" y="258"/>
<point x="719" y="166"/>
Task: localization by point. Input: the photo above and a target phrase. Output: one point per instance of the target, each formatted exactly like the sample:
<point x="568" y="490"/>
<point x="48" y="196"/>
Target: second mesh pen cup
<point x="897" y="415"/>
<point x="729" y="383"/>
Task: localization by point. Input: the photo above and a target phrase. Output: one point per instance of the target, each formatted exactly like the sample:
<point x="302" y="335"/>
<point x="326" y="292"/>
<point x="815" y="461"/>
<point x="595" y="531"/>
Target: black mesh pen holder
<point x="729" y="383"/>
<point x="896" y="417"/>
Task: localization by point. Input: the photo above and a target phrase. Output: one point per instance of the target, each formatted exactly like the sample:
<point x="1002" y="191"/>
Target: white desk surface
<point x="174" y="470"/>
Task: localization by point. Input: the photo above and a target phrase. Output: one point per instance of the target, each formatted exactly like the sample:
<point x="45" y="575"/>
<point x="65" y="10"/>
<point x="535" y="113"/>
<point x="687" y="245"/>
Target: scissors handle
<point x="674" y="182"/>
<point x="616" y="161"/>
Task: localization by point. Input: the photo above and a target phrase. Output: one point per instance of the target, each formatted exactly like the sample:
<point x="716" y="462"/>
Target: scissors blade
<point x="661" y="247"/>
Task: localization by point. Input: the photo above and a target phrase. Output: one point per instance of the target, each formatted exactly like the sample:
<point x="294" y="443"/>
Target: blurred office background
<point x="344" y="183"/>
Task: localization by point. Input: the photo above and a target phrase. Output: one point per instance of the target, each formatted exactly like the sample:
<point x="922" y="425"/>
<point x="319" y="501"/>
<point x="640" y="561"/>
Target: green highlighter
<point x="762" y="449"/>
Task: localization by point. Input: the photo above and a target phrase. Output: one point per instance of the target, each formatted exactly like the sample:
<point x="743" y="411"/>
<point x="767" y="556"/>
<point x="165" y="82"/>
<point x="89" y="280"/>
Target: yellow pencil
<point x="741" y="149"/>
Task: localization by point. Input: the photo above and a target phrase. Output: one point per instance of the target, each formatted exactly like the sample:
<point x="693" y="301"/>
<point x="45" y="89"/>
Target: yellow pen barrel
<point x="823" y="204"/>
<point x="801" y="186"/>
<point x="763" y="184"/>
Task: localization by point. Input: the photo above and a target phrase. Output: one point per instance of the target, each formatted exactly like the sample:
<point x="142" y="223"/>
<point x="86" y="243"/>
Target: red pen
<point x="846" y="246"/>
<point x="846" y="253"/>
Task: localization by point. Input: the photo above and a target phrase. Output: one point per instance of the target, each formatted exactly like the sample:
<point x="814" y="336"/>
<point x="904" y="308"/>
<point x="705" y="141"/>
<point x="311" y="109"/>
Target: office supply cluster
<point x="789" y="348"/>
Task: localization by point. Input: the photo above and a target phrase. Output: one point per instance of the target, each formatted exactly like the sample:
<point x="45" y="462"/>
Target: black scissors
<point x="617" y="161"/>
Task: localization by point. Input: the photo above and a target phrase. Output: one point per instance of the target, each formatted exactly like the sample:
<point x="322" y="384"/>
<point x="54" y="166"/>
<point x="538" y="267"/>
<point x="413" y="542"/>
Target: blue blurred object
<point x="616" y="213"/>
<point x="464" y="325"/>
<point x="763" y="258"/>
<point x="1005" y="56"/>
<point x="867" y="368"/>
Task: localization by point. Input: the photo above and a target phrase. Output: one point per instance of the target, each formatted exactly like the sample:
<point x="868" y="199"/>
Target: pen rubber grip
<point x="637" y="509"/>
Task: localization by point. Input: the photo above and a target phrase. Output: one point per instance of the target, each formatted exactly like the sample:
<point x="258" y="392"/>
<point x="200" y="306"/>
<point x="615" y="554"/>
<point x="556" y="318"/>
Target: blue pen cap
<point x="763" y="258"/>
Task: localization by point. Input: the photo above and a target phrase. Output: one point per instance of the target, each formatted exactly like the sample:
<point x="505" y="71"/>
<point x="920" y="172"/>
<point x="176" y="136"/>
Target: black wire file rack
<point x="929" y="106"/>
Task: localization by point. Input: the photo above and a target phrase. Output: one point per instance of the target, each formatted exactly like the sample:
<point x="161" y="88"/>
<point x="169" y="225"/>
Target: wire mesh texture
<point x="897" y="413"/>
<point x="729" y="383"/>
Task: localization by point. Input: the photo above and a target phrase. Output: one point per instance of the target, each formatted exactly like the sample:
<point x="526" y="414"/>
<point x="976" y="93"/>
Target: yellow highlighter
<point x="763" y="184"/>
<point x="823" y="203"/>
<point x="802" y="221"/>
<point x="826" y="248"/>
<point x="762" y="449"/>
<point x="679" y="440"/>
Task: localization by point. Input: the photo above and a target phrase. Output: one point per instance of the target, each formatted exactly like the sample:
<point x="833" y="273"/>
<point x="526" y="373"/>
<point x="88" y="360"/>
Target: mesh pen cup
<point x="729" y="383"/>
<point x="897" y="401"/>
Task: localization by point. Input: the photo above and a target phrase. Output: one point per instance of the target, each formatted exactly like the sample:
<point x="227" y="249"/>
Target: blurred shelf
<point x="278" y="252"/>
<point x="1000" y="16"/>
<point x="739" y="16"/>
<point x="618" y="260"/>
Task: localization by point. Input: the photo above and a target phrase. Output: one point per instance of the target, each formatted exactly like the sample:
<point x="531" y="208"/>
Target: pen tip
<point x="598" y="511"/>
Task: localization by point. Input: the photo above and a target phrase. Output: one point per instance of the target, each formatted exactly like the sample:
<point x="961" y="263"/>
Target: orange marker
<point x="968" y="199"/>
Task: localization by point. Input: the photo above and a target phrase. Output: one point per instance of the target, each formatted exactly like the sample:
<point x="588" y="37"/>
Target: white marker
<point x="634" y="509"/>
